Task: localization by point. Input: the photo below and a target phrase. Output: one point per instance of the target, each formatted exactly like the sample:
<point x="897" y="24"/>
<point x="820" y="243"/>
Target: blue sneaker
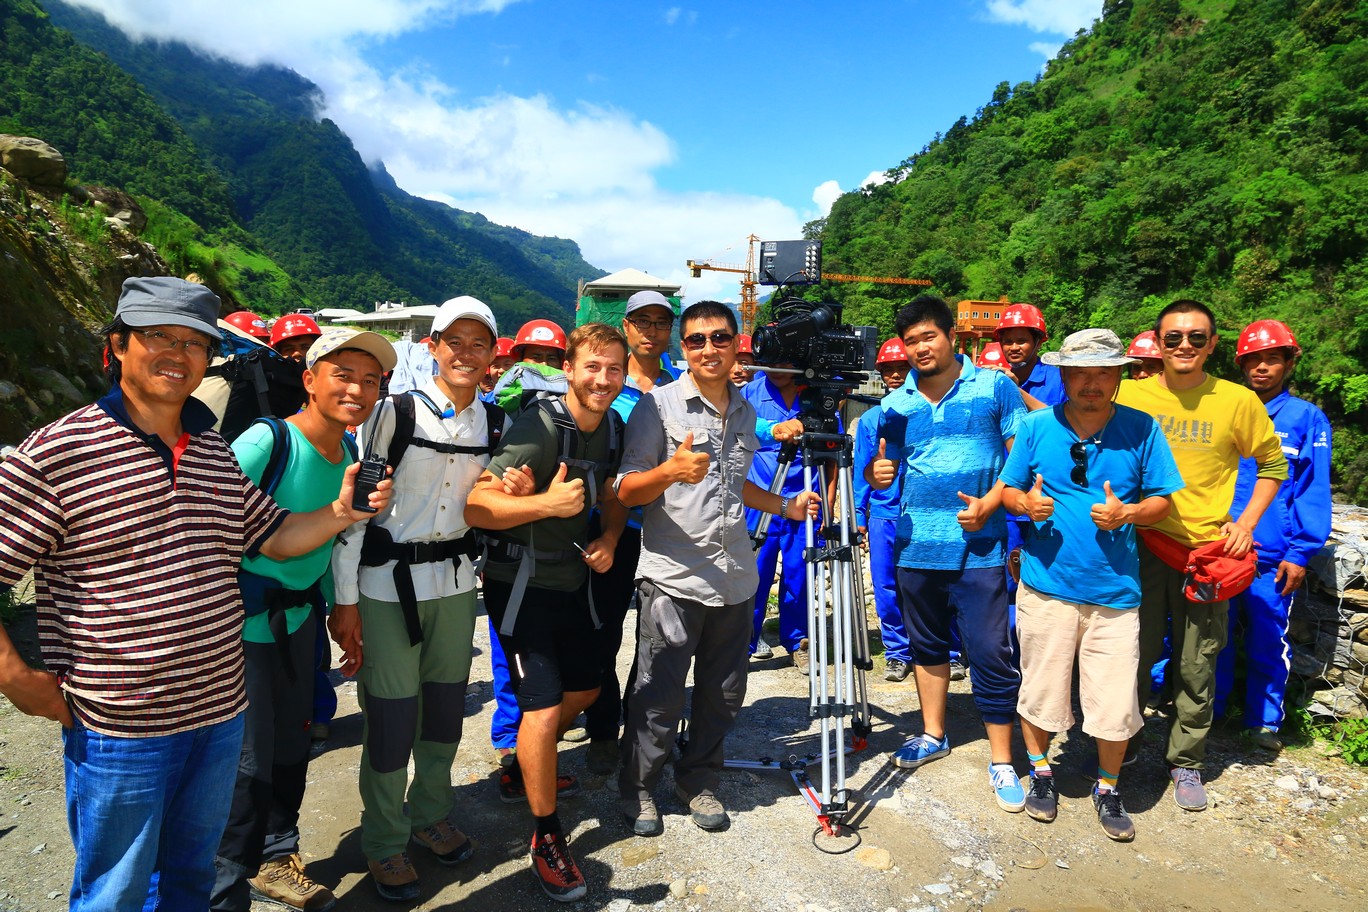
<point x="1011" y="797"/>
<point x="919" y="750"/>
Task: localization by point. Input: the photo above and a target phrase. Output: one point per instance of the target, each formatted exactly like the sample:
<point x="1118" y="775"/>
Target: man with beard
<point x="698" y="570"/>
<point x="537" y="571"/>
<point x="951" y="427"/>
<point x="1080" y="572"/>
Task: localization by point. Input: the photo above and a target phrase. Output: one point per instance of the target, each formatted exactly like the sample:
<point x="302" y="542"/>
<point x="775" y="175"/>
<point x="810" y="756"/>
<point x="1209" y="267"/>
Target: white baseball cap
<point x="337" y="339"/>
<point x="464" y="308"/>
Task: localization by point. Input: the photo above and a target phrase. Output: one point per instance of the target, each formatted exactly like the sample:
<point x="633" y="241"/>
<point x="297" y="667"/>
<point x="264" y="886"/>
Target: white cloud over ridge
<point x="582" y="171"/>
<point x="1059" y="17"/>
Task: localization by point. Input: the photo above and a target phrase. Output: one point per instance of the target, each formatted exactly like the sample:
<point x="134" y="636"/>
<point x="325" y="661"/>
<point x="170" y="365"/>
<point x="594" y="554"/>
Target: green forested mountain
<point x="1181" y="148"/>
<point x="247" y="186"/>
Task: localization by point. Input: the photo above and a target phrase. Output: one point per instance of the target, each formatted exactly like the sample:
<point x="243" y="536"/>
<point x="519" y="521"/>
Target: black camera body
<point x="810" y="336"/>
<point x="368" y="478"/>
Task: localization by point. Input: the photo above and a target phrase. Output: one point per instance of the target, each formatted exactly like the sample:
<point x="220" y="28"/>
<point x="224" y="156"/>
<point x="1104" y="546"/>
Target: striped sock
<point x="1106" y="782"/>
<point x="1039" y="765"/>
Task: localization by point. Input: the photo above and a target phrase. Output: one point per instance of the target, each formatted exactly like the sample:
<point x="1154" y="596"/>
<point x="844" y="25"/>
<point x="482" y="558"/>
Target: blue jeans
<point x="146" y="815"/>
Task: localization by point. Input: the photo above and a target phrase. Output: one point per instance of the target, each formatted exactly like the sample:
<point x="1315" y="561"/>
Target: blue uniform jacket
<point x="1297" y="523"/>
<point x="883" y="504"/>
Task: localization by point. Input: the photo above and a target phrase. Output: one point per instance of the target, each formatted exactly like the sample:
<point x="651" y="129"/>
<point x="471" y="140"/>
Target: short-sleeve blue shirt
<point x="770" y="406"/>
<point x="1045" y="383"/>
<point x="953" y="445"/>
<point x="1067" y="556"/>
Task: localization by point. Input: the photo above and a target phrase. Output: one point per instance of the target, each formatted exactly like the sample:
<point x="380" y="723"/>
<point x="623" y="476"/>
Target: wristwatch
<point x="783" y="507"/>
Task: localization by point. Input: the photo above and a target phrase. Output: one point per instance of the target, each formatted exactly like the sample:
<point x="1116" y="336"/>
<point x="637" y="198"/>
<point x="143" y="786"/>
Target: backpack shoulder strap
<point x="274" y="471"/>
<point x="616" y="430"/>
<point x="404" y="421"/>
<point x="494" y="420"/>
<point x="349" y="444"/>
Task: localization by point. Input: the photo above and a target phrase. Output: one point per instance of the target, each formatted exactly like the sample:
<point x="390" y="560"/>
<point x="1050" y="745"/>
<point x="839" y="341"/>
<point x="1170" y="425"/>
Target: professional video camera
<point x="809" y="334"/>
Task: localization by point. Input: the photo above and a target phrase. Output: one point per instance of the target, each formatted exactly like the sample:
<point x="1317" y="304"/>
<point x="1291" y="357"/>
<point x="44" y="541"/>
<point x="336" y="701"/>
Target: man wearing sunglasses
<point x="1210" y="425"/>
<point x="647" y="325"/>
<point x="688" y="450"/>
<point x="134" y="517"/>
<point x="1080" y="572"/>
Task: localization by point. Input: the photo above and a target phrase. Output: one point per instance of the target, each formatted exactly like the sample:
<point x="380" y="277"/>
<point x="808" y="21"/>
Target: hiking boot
<point x="1011" y="797"/>
<point x="642" y="816"/>
<point x="895" y="670"/>
<point x="801" y="659"/>
<point x="283" y="881"/>
<point x="395" y="878"/>
<point x="705" y="810"/>
<point x="449" y="844"/>
<point x="957" y="670"/>
<point x="919" y="750"/>
<point x="1111" y="813"/>
<point x="602" y="759"/>
<point x="319" y="731"/>
<point x="762" y="650"/>
<point x="1264" y="738"/>
<point x="1042" y="798"/>
<point x="1188" y="790"/>
<point x="556" y="871"/>
<point x="512" y="790"/>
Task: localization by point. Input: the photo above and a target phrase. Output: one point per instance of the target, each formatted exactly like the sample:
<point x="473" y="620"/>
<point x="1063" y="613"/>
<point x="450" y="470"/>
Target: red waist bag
<point x="1209" y="574"/>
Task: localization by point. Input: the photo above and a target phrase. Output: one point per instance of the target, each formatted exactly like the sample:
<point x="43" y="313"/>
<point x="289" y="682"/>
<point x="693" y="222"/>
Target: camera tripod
<point x="835" y="583"/>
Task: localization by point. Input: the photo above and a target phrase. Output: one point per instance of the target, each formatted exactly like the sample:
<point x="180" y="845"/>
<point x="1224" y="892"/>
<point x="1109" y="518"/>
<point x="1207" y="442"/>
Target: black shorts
<point x="554" y="648"/>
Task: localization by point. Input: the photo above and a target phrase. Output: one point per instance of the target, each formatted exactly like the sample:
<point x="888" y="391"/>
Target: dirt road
<point x="1286" y="834"/>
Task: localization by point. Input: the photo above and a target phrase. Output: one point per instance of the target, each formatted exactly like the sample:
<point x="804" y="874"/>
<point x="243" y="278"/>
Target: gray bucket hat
<point x="168" y="301"/>
<point x="1089" y="348"/>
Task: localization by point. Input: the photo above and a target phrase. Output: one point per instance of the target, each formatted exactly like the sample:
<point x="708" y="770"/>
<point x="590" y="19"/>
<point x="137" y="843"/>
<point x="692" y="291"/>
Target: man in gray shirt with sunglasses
<point x="689" y="446"/>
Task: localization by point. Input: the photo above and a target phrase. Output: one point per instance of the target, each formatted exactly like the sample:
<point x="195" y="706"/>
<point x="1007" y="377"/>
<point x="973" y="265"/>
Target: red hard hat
<point x="249" y="323"/>
<point x="991" y="356"/>
<point x="292" y="325"/>
<point x="1262" y="335"/>
<point x="891" y="351"/>
<point x="1145" y="345"/>
<point x="743" y="344"/>
<point x="1023" y="316"/>
<point x="503" y="348"/>
<point x="540" y="332"/>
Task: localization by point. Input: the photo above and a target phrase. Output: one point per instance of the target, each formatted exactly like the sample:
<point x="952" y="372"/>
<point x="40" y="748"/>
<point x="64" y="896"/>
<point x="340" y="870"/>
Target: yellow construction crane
<point x="750" y="299"/>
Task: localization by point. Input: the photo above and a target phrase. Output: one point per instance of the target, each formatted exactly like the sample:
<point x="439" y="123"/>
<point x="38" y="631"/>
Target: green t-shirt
<point x="531" y="441"/>
<point x="308" y="482"/>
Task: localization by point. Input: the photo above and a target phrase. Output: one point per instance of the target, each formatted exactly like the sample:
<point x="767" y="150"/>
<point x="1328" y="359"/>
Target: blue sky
<point x="649" y="132"/>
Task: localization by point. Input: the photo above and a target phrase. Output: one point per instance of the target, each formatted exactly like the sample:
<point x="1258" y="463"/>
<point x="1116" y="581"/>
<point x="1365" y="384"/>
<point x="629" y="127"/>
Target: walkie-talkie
<point x="368" y="477"/>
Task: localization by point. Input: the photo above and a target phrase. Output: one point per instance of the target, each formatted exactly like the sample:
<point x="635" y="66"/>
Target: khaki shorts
<point x="1107" y="642"/>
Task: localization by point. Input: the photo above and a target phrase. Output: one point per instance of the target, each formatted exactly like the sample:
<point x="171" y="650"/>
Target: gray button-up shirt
<point x="694" y="543"/>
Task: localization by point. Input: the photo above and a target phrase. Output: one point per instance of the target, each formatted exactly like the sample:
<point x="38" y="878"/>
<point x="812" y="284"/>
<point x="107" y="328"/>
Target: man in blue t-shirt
<point x="1080" y="568"/>
<point x="950" y="427"/>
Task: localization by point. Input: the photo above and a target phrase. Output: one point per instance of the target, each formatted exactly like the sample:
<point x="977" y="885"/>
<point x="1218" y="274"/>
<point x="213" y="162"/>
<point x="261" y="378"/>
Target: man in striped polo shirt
<point x="134" y="517"/>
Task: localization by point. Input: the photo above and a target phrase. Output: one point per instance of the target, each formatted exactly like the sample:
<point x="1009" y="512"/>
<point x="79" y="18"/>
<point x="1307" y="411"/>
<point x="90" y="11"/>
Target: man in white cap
<point x="1079" y="596"/>
<point x="405" y="586"/>
<point x="134" y="517"/>
<point x="300" y="462"/>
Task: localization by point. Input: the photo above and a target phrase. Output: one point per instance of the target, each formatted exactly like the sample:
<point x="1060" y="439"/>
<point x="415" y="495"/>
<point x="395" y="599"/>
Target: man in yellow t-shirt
<point x="1210" y="425"/>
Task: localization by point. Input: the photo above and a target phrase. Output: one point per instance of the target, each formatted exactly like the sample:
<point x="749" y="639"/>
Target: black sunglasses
<point x="719" y="338"/>
<point x="1079" y="453"/>
<point x="1196" y="337"/>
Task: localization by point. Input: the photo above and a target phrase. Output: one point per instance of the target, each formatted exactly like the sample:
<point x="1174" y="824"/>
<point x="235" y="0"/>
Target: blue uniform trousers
<point x="883" y="568"/>
<point x="784" y="536"/>
<point x="1258" y="620"/>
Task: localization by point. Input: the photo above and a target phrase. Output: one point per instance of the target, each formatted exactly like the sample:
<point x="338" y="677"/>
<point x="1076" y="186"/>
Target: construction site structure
<point x="605" y="300"/>
<point x="750" y="297"/>
<point x="975" y="322"/>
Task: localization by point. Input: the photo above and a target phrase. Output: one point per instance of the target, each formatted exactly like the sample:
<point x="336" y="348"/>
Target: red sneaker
<point x="512" y="790"/>
<point x="556" y="871"/>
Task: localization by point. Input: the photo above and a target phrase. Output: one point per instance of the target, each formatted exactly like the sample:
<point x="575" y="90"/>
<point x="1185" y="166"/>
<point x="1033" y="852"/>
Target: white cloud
<point x="824" y="195"/>
<point x="1046" y="49"/>
<point x="581" y="171"/>
<point x="674" y="14"/>
<point x="1060" y="17"/>
<point x="874" y="179"/>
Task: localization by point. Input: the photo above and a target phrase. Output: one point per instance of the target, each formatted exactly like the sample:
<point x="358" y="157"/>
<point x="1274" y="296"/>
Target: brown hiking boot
<point x="284" y="882"/>
<point x="395" y="878"/>
<point x="449" y="844"/>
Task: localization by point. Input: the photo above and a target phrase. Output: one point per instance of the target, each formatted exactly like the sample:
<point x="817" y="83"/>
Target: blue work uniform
<point x="1293" y="528"/>
<point x="877" y="511"/>
<point x="785" y="537"/>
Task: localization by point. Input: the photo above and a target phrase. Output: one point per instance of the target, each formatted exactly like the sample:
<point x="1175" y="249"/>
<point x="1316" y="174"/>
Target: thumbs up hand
<point x="565" y="498"/>
<point x="974" y="515"/>
<point x="688" y="466"/>
<point x="1039" y="505"/>
<point x="882" y="470"/>
<point x="1111" y="514"/>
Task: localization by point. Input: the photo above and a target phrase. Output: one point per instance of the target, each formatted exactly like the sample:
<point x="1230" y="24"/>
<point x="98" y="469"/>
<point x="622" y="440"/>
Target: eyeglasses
<point x="1079" y="453"/>
<point x="719" y="339"/>
<point x="1196" y="338"/>
<point x="158" y="341"/>
<point x="644" y="325"/>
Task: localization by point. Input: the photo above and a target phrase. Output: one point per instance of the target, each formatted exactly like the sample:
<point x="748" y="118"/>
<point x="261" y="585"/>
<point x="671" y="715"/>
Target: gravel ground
<point x="1285" y="833"/>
